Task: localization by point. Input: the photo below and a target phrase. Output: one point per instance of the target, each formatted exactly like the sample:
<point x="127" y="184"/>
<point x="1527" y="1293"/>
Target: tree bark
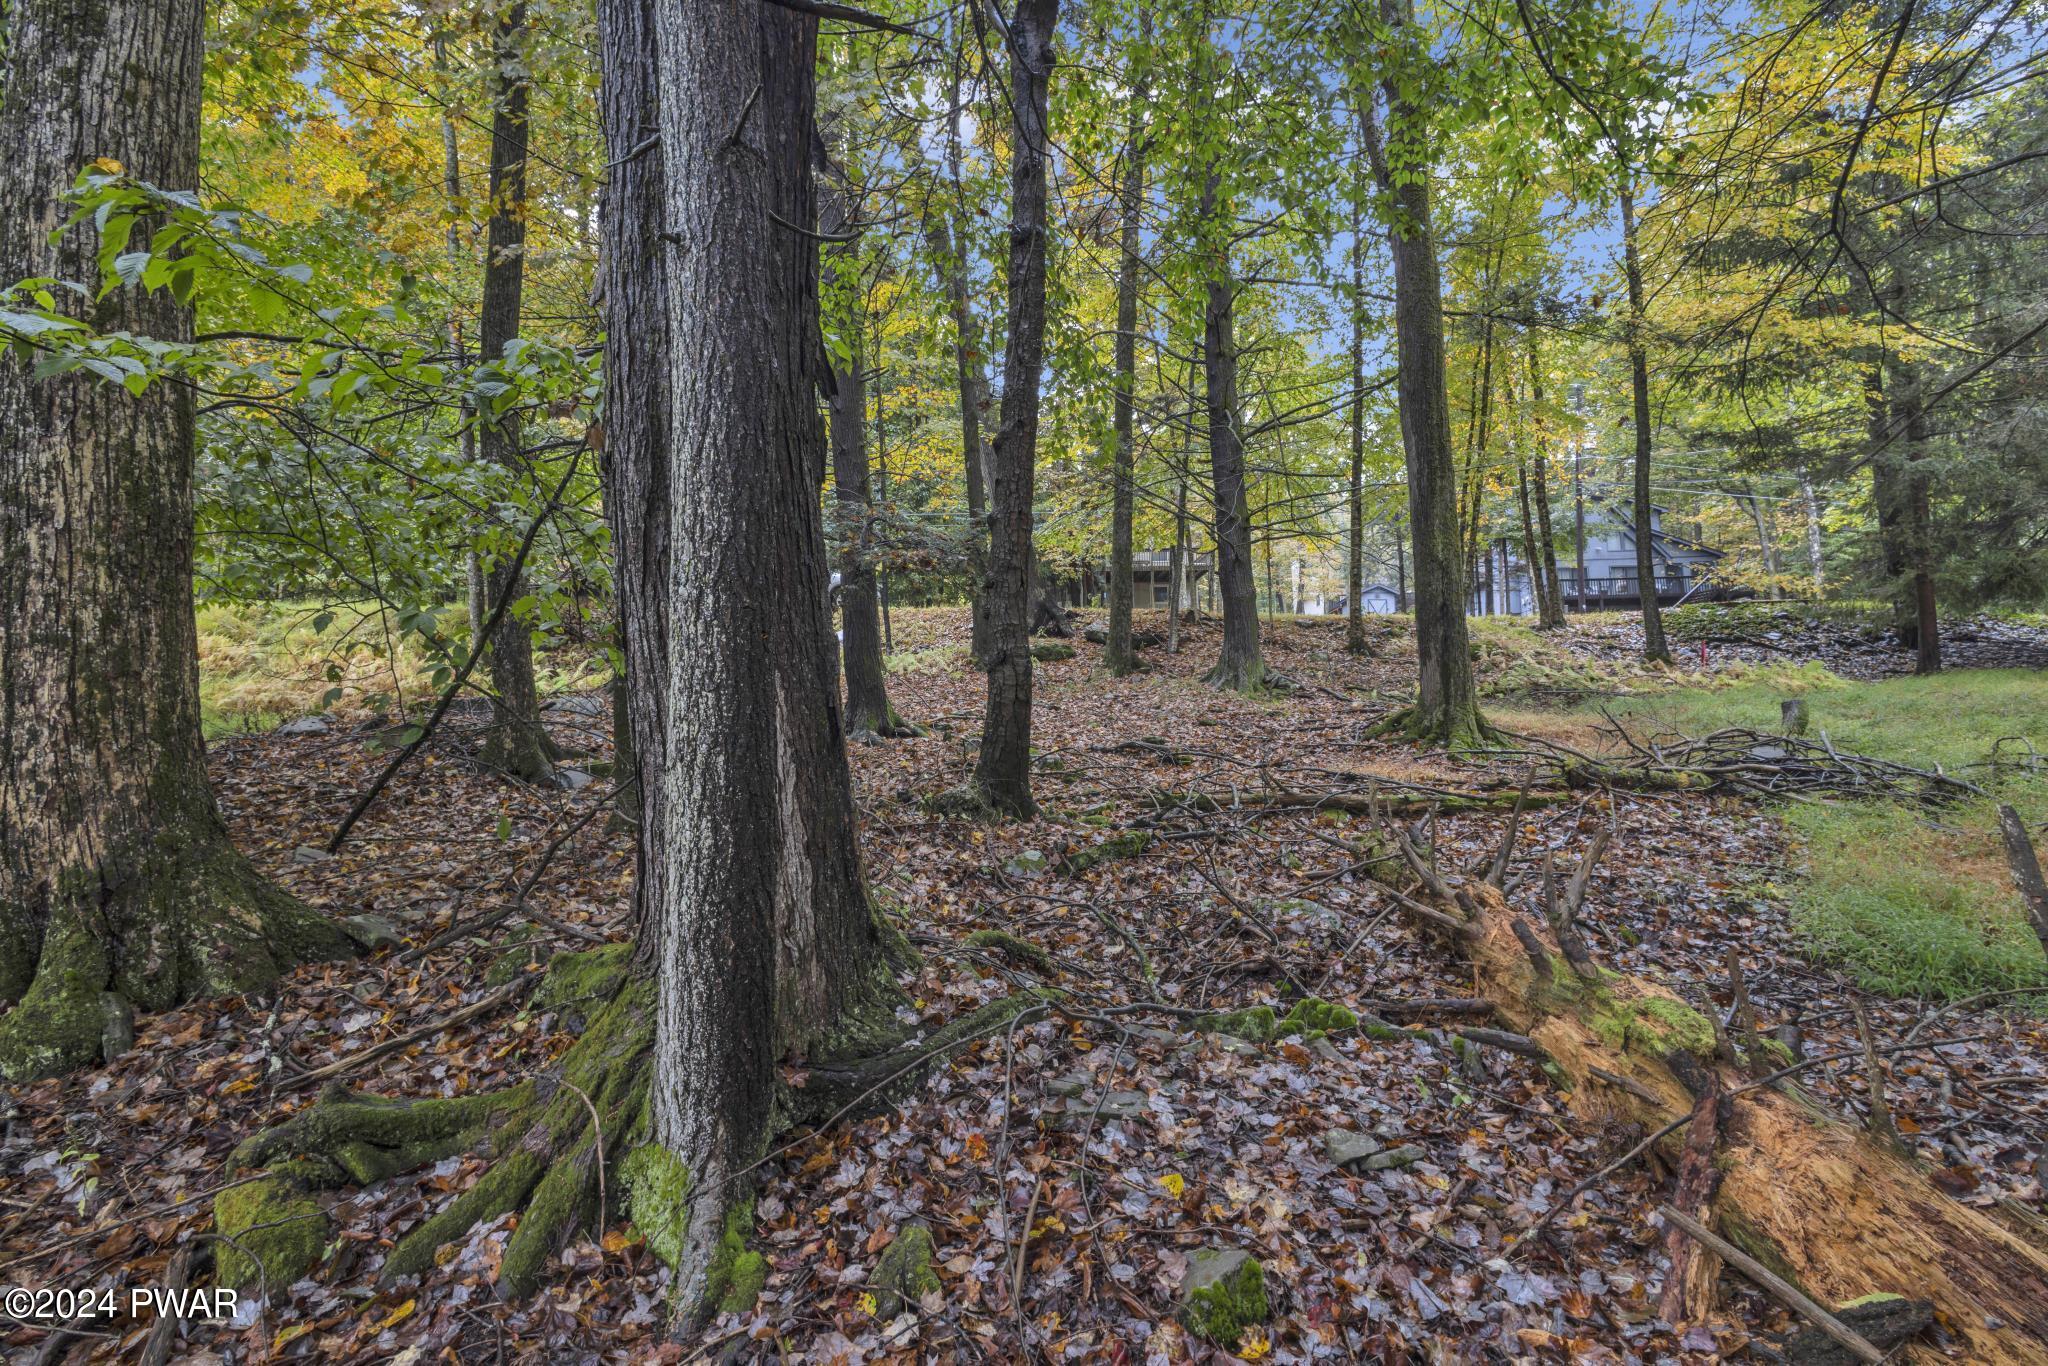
<point x="633" y="294"/>
<point x="1916" y="521"/>
<point x="1550" y="592"/>
<point x="1654" y="646"/>
<point x="1354" y="569"/>
<point x="1117" y="655"/>
<point x="1002" y="774"/>
<point x="763" y="938"/>
<point x="118" y="884"/>
<point x="1447" y="703"/>
<point x="517" y="742"/>
<point x="948" y="235"/>
<point x="868" y="713"/>
<point x="1815" y="561"/>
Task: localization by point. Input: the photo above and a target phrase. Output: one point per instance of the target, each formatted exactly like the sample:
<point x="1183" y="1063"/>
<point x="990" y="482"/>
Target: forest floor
<point x="1069" y="1168"/>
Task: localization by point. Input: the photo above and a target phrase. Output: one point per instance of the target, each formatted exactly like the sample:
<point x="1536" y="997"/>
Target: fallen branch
<point x="1781" y="1289"/>
<point x="500" y="997"/>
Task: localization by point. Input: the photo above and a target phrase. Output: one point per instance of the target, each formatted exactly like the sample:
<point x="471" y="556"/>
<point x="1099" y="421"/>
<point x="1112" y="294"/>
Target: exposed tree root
<point x="1820" y="1201"/>
<point x="869" y="729"/>
<point x="188" y="922"/>
<point x="570" y="1150"/>
<point x="1245" y="675"/>
<point x="1438" y="728"/>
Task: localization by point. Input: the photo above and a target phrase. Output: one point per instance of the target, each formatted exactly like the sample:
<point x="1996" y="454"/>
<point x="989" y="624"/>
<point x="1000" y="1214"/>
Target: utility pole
<point x="1579" y="489"/>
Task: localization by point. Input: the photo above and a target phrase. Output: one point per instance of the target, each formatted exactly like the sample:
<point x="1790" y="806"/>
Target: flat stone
<point x="308" y="853"/>
<point x="371" y="932"/>
<point x="306" y="725"/>
<point x="1027" y="863"/>
<point x="1407" y="1155"/>
<point x="572" y="779"/>
<point x="1346" y="1146"/>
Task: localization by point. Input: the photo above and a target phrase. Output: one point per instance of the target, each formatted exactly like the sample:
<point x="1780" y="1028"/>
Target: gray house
<point x="1684" y="568"/>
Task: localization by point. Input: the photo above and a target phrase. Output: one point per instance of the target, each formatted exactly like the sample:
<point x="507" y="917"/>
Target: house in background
<point x="1152" y="577"/>
<point x="1683" y="568"/>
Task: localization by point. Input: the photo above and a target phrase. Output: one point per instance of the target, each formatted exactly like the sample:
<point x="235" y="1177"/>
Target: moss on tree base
<point x="1440" y="727"/>
<point x="582" y="1131"/>
<point x="192" y="919"/>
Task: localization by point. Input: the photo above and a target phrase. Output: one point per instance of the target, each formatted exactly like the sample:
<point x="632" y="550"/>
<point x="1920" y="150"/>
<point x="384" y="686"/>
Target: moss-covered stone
<point x="904" y="1274"/>
<point x="272" y="1232"/>
<point x="1224" y="1294"/>
<point x="1127" y="844"/>
<point x="1051" y="652"/>
<point x="1254" y="1024"/>
<point x="1022" y="950"/>
<point x="1311" y="1018"/>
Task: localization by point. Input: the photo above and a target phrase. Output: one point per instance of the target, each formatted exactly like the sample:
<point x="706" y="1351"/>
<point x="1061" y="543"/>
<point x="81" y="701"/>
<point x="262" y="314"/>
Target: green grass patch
<point x="1910" y="900"/>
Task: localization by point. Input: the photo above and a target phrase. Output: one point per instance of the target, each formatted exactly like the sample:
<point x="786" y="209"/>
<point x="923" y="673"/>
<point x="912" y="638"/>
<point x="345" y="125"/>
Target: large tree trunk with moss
<point x="1826" y="1204"/>
<point x="1447" y="701"/>
<point x="757" y="942"/>
<point x="1002" y="772"/>
<point x="1654" y="646"/>
<point x="118" y="886"/>
<point x="1117" y="654"/>
<point x="516" y="742"/>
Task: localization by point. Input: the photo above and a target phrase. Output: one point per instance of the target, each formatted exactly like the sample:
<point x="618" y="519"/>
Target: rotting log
<point x="1821" y="1202"/>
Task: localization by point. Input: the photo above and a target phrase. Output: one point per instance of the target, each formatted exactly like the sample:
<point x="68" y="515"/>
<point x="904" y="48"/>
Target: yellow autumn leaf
<point x="108" y="165"/>
<point x="1175" y="1183"/>
<point x="290" y="1335"/>
<point x="867" y="1303"/>
<point x="1253" y="1345"/>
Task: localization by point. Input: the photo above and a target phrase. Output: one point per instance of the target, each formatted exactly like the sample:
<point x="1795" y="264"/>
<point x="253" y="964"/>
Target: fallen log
<point x="1820" y="1202"/>
<point x="1400" y="803"/>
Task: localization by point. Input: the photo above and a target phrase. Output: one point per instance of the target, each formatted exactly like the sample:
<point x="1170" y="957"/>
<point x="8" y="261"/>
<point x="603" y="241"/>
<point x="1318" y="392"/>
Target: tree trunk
<point x="1002" y="774"/>
<point x="763" y="938"/>
<point x="868" y="713"/>
<point x="1354" y="569"/>
<point x="1916" y="529"/>
<point x="634" y="295"/>
<point x="1814" y="559"/>
<point x="1654" y="646"/>
<point x="517" y="742"/>
<point x="118" y="885"/>
<point x="1117" y="655"/>
<point x="1550" y="593"/>
<point x="947" y="234"/>
<point x="1447" y="703"/>
<point x="1529" y="542"/>
<point x="1177" y="567"/>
